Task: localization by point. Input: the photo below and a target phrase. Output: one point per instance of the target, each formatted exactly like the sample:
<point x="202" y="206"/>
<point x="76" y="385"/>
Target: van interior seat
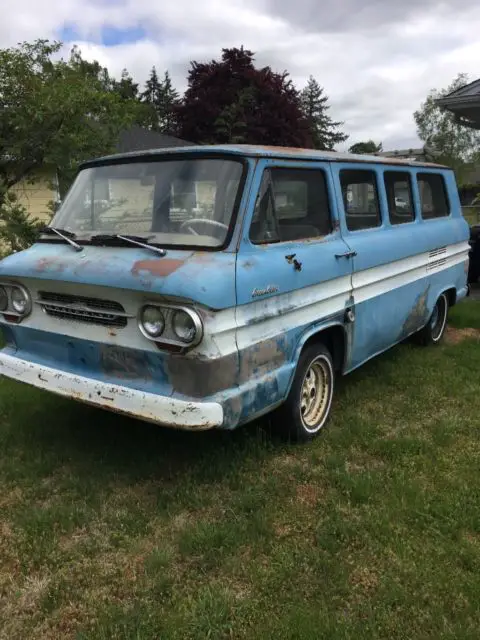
<point x="294" y="231"/>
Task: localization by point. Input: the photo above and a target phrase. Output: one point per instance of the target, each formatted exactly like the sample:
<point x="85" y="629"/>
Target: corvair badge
<point x="272" y="288"/>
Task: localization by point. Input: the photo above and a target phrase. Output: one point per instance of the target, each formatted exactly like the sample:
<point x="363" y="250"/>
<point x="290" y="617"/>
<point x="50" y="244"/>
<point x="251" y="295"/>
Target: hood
<point x="200" y="276"/>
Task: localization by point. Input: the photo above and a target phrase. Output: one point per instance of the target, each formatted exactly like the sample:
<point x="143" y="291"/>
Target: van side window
<point x="433" y="195"/>
<point x="399" y="196"/>
<point x="360" y="199"/>
<point x="292" y="205"/>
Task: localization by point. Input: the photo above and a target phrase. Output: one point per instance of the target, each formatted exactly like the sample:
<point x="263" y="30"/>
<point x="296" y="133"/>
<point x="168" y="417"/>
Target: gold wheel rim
<point x="315" y="394"/>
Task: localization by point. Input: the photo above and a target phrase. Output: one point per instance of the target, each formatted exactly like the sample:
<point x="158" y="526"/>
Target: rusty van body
<point x="203" y="287"/>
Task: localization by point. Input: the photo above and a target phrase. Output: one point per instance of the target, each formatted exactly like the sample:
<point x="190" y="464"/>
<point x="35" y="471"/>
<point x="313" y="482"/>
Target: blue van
<point x="203" y="287"/>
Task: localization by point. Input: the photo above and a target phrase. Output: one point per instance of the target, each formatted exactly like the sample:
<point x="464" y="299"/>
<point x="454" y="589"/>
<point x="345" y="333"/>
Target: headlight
<point x="186" y="326"/>
<point x="20" y="300"/>
<point x="153" y="321"/>
<point x="3" y="299"/>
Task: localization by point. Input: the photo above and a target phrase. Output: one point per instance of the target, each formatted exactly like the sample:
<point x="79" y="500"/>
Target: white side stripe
<point x="379" y="280"/>
<point x="266" y="318"/>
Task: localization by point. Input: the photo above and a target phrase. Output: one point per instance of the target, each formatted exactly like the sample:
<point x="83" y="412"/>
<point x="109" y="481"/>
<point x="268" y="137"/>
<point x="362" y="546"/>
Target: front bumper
<point x="170" y="412"/>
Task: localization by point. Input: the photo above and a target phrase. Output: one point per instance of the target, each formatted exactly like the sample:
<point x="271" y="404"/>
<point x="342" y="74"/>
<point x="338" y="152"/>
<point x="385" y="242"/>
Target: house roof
<point x="464" y="103"/>
<point x="139" y="139"/>
<point x="421" y="154"/>
<point x="262" y="152"/>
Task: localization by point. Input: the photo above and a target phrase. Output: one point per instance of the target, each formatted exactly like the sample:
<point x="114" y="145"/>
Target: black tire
<point x="434" y="330"/>
<point x="314" y="368"/>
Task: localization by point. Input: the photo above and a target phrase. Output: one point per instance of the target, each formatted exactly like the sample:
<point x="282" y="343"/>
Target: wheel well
<point x="451" y="296"/>
<point x="334" y="339"/>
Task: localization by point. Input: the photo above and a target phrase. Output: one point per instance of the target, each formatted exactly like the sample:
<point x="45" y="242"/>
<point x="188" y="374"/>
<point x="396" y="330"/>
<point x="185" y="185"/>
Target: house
<point x="36" y="196"/>
<point x="464" y="103"/>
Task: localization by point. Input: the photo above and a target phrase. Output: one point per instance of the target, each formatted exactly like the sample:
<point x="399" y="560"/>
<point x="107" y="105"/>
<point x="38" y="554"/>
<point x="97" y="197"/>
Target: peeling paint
<point x="263" y="357"/>
<point x="50" y="264"/>
<point x="418" y="315"/>
<point x="158" y="268"/>
<point x="146" y="406"/>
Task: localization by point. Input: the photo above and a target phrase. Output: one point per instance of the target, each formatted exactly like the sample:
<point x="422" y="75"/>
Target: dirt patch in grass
<point x="10" y="498"/>
<point x="308" y="494"/>
<point x="455" y="336"/>
<point x="365" y="579"/>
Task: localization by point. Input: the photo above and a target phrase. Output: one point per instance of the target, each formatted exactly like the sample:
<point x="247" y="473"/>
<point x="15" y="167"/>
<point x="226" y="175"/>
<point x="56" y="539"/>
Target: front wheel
<point x="308" y="405"/>
<point x="434" y="330"/>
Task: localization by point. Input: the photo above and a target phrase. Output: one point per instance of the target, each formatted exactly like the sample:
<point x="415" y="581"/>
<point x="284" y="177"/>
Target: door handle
<point x="347" y="254"/>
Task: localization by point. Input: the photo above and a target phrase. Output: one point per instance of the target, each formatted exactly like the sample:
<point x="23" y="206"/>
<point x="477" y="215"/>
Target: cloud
<point x="358" y="15"/>
<point x="376" y="59"/>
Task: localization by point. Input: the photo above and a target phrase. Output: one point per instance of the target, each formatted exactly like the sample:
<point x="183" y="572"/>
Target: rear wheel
<point x="434" y="330"/>
<point x="308" y="405"/>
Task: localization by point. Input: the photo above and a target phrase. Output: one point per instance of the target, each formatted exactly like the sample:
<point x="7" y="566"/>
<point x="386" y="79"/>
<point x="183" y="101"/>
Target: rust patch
<point x="50" y="264"/>
<point x="263" y="357"/>
<point x="418" y="315"/>
<point x="124" y="363"/>
<point x="334" y="156"/>
<point x="160" y="268"/>
<point x="232" y="410"/>
<point x="455" y="336"/>
<point x="199" y="378"/>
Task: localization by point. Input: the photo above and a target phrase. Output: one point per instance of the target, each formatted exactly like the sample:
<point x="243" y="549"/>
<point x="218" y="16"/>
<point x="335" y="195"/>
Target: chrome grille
<point x="83" y="309"/>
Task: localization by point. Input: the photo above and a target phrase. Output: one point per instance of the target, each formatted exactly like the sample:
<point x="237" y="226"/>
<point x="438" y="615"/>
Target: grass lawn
<point x="110" y="528"/>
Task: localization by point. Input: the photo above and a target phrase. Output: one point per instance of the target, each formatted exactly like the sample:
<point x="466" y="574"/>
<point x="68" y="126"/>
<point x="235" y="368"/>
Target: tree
<point x="366" y="147"/>
<point x="151" y="95"/>
<point x="90" y="69"/>
<point x="324" y="131"/>
<point x="232" y="101"/>
<point x="163" y="99"/>
<point x="169" y="100"/>
<point x="452" y="143"/>
<point x="53" y="114"/>
<point x="126" y="88"/>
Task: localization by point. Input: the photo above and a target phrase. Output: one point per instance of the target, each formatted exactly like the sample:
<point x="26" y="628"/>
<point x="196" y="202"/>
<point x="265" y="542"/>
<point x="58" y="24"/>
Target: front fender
<point x="313" y="331"/>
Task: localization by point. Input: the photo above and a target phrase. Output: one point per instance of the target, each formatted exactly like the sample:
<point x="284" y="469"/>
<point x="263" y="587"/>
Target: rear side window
<point x="292" y="205"/>
<point x="433" y="195"/>
<point x="398" y="187"/>
<point x="360" y="199"/>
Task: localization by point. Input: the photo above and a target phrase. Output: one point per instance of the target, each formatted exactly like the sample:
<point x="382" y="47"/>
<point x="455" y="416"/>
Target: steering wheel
<point x="195" y="221"/>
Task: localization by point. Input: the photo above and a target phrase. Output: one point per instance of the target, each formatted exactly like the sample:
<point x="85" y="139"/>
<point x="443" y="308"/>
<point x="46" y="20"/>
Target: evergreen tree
<point x="164" y="99"/>
<point x="168" y="103"/>
<point x="152" y="89"/>
<point x="126" y="88"/>
<point x="324" y="131"/>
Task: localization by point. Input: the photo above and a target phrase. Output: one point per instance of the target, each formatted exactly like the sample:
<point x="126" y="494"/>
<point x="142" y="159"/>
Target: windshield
<point x="170" y="202"/>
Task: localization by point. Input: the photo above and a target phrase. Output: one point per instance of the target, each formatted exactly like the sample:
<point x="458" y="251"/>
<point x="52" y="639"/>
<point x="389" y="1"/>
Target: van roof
<point x="261" y="151"/>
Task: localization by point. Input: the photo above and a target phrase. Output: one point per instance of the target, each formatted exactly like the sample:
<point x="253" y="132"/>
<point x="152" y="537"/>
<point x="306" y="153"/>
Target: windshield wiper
<point x="68" y="236"/>
<point x="136" y="240"/>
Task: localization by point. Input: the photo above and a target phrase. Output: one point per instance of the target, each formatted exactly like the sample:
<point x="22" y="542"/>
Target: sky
<point x="376" y="59"/>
